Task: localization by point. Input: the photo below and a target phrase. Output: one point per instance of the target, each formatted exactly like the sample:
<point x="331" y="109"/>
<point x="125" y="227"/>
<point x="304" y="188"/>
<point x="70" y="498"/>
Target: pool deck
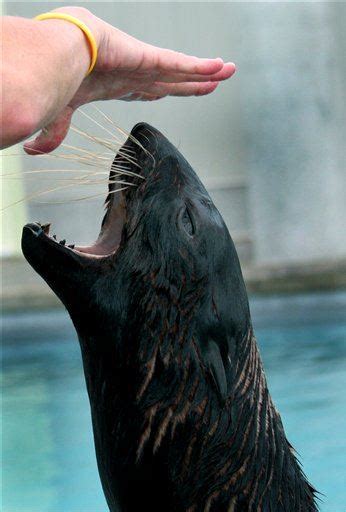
<point x="23" y="289"/>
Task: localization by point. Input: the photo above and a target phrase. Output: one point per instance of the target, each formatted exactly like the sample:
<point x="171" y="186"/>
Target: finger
<point x="171" y="61"/>
<point x="192" y="89"/>
<point x="165" y="60"/>
<point x="226" y="72"/>
<point x="160" y="90"/>
<point x="51" y="136"/>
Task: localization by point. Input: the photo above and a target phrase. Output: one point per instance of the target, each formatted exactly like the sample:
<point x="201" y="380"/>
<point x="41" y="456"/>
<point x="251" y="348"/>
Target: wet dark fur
<point x="182" y="417"/>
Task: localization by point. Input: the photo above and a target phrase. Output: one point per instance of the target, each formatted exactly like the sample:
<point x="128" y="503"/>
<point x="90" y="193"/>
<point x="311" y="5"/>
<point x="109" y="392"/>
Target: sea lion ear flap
<point x="213" y="361"/>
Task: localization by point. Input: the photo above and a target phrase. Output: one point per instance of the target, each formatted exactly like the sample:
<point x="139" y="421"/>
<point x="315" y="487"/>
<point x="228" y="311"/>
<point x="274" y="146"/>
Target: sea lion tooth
<point x="54" y="236"/>
<point x="46" y="227"/>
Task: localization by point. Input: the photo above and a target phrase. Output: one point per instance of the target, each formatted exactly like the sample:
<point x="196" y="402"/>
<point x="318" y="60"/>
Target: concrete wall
<point x="269" y="143"/>
<point x="295" y="123"/>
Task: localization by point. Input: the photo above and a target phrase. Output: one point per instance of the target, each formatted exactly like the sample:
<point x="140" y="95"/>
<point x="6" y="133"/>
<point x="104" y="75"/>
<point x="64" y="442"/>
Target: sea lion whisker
<point x="128" y="158"/>
<point x="37" y="194"/>
<point x="155" y="138"/>
<point x="148" y="152"/>
<point x="85" y="198"/>
<point x="90" y="153"/>
<point x="109" y="182"/>
<point x="124" y="132"/>
<point x="80" y="180"/>
<point x="120" y="151"/>
<point x="68" y="185"/>
<point x="38" y="171"/>
<point x="121" y="130"/>
<point x="89" y="161"/>
<point x="131" y="174"/>
<point x="83" y="160"/>
<point x="41" y="154"/>
<point x="117" y="172"/>
<point x="127" y="152"/>
<point x="90" y="158"/>
<point x="97" y="140"/>
<point x="125" y="147"/>
<point x="127" y="172"/>
<point x="77" y="178"/>
<point x="100" y="125"/>
<point x="66" y="156"/>
<point x="104" y="143"/>
<point x="119" y="165"/>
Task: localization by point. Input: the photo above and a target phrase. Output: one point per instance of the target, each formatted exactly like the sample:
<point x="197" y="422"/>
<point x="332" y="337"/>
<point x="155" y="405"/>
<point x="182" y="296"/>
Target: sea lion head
<point x="162" y="233"/>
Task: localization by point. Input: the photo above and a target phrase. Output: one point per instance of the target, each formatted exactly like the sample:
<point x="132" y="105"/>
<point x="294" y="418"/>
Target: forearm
<point x="44" y="63"/>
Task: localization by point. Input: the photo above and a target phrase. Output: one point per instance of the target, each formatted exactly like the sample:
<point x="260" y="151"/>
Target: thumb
<point x="52" y="135"/>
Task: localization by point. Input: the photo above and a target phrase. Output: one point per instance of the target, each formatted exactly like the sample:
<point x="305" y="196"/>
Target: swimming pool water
<point x="48" y="454"/>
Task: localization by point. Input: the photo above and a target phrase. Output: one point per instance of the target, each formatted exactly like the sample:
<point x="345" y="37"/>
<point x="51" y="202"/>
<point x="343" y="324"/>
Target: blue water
<point x="48" y="455"/>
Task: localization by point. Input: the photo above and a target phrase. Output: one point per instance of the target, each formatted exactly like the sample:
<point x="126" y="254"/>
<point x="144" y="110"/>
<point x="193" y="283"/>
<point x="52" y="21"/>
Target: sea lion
<point x="182" y="417"/>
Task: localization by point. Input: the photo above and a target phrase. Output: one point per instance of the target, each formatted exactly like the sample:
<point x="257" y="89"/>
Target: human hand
<point x="128" y="69"/>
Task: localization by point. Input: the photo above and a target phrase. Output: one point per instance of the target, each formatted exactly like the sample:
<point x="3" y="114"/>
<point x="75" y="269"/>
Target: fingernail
<point x="29" y="146"/>
<point x="208" y="59"/>
<point x="29" y="143"/>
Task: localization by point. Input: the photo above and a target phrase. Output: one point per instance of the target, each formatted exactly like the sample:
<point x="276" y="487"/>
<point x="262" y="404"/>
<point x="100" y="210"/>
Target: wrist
<point x="83" y="14"/>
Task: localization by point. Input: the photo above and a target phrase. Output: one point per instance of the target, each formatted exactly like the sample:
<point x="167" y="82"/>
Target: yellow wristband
<point x="81" y="25"/>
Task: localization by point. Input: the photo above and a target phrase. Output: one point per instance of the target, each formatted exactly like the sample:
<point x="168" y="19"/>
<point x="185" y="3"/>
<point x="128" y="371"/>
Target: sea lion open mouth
<point x="109" y="238"/>
<point x="182" y="417"/>
<point x="107" y="242"/>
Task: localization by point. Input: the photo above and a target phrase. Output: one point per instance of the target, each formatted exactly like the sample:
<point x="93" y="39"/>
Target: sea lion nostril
<point x="146" y="135"/>
<point x="141" y="127"/>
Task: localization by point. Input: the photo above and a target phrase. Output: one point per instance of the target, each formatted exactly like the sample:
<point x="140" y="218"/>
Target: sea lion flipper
<point x="214" y="363"/>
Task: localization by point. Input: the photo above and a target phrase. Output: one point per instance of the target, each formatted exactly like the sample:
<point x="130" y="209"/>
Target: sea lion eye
<point x="187" y="222"/>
